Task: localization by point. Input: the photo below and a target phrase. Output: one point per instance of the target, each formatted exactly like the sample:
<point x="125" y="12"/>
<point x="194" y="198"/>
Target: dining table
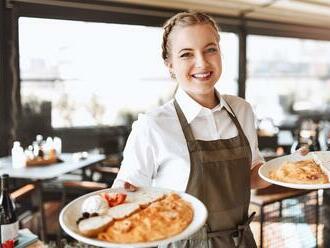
<point x="68" y="162"/>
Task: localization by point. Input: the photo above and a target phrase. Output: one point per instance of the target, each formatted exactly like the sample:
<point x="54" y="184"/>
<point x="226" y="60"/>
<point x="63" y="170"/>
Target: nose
<point x="200" y="60"/>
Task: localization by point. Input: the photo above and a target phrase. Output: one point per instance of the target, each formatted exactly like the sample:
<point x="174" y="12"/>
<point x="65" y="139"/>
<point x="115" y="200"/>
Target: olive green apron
<point x="220" y="178"/>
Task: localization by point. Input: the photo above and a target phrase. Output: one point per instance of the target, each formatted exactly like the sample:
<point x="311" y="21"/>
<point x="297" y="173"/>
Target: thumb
<point x="303" y="150"/>
<point x="130" y="187"/>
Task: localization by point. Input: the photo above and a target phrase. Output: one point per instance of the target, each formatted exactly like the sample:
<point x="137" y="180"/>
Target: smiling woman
<point x="196" y="63"/>
<point x="201" y="142"/>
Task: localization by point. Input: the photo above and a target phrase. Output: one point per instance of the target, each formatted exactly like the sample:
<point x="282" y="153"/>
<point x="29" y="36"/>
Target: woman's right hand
<point x="130" y="187"/>
<point x="303" y="150"/>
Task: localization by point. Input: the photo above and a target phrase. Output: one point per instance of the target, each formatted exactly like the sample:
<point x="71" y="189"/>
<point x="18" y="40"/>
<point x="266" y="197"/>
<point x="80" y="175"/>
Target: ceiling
<point x="302" y="12"/>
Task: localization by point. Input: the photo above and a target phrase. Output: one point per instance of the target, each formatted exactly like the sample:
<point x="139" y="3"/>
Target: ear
<point x="168" y="64"/>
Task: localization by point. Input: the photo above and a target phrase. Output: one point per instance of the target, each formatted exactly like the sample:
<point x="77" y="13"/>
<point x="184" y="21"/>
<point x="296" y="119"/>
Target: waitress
<point x="202" y="142"/>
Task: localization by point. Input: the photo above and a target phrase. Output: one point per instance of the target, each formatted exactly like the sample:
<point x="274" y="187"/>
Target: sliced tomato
<point x="8" y="244"/>
<point x="114" y="199"/>
<point x="119" y="199"/>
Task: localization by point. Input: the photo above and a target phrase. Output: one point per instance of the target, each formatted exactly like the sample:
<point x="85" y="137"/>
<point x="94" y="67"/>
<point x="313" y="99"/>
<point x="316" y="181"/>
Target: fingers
<point x="258" y="164"/>
<point x="303" y="150"/>
<point x="130" y="187"/>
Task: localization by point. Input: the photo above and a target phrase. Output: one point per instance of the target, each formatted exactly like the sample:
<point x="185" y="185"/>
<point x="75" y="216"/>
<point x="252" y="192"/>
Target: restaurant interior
<point x="75" y="74"/>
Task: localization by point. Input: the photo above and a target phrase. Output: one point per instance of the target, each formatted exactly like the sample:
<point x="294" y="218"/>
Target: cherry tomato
<point x="8" y="244"/>
<point x="114" y="199"/>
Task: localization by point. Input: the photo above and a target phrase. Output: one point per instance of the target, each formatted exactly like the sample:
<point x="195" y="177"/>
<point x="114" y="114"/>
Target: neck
<point x="209" y="100"/>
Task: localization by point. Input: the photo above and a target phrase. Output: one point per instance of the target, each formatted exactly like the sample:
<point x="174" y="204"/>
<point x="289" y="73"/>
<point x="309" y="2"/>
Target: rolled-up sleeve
<point x="138" y="164"/>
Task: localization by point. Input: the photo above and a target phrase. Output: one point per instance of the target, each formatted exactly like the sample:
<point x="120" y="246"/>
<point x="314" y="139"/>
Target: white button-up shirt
<point x="156" y="153"/>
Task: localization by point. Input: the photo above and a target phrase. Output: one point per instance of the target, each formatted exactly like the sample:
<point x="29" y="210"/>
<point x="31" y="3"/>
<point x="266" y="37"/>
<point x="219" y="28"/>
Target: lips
<point x="202" y="75"/>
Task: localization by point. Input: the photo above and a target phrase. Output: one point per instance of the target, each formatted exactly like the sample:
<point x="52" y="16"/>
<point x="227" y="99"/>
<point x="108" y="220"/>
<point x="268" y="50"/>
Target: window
<point x="100" y="73"/>
<point x="228" y="83"/>
<point x="287" y="76"/>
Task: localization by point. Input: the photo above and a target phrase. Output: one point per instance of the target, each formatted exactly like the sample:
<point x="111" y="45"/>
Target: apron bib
<point x="220" y="178"/>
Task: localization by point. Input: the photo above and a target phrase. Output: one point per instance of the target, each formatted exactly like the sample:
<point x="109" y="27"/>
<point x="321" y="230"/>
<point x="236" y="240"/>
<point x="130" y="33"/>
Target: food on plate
<point x="322" y="159"/>
<point x="300" y="172"/>
<point x="92" y="226"/>
<point x="144" y="198"/>
<point x="161" y="219"/>
<point x="95" y="216"/>
<point x="95" y="204"/>
<point x="86" y="215"/>
<point x="137" y="217"/>
<point x="124" y="210"/>
<point x="114" y="199"/>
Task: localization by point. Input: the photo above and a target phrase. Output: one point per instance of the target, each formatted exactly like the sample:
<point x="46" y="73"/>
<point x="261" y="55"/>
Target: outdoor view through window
<point x="98" y="73"/>
<point x="287" y="76"/>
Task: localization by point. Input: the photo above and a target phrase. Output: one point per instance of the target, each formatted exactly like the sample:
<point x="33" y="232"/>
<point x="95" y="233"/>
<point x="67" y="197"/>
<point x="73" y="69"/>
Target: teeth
<point x="202" y="75"/>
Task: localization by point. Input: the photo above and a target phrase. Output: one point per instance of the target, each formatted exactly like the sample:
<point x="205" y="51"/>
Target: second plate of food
<point x="298" y="172"/>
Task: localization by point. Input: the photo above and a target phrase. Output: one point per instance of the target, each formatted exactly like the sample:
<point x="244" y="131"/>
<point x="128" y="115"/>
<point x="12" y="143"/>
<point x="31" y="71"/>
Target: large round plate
<point x="71" y="213"/>
<point x="277" y="162"/>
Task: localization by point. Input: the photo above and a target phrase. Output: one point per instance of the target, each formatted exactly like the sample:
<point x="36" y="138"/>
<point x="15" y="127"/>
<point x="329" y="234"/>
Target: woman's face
<point x="195" y="58"/>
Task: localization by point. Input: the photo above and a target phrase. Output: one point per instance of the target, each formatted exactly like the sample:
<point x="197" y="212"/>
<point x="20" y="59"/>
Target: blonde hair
<point x="185" y="19"/>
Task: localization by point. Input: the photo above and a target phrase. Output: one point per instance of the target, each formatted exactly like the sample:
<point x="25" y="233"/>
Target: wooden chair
<point x="25" y="208"/>
<point x="107" y="170"/>
<point x="22" y="192"/>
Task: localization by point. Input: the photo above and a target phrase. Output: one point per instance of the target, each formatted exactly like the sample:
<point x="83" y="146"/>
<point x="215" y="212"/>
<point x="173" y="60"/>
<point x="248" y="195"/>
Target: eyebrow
<point x="189" y="49"/>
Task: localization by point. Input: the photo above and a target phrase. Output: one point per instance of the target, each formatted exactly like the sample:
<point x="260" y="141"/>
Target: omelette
<point x="300" y="172"/>
<point x="159" y="220"/>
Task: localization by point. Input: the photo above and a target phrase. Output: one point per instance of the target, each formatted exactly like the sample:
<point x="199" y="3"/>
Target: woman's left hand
<point x="255" y="180"/>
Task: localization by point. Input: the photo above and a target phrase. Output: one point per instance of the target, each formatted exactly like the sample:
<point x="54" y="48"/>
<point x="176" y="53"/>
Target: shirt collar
<point x="191" y="109"/>
<point x="223" y="103"/>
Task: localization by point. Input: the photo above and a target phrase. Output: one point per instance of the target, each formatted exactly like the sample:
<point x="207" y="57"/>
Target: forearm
<point x="256" y="181"/>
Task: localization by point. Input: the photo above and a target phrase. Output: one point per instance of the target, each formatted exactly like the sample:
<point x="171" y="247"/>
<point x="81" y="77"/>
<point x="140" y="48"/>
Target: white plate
<point x="277" y="162"/>
<point x="71" y="213"/>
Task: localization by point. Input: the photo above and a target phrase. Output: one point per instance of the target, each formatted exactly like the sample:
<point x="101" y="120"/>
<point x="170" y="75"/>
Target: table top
<point x="69" y="164"/>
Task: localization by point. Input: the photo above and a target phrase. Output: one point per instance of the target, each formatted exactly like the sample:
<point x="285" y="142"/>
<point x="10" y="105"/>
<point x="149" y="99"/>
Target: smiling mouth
<point x="204" y="75"/>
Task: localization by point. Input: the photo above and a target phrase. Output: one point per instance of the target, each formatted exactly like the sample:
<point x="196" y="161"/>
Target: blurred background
<point x="83" y="70"/>
<point x="73" y="68"/>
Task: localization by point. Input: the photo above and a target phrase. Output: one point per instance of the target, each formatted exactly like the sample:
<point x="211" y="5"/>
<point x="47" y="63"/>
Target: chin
<point x="204" y="90"/>
<point x="205" y="86"/>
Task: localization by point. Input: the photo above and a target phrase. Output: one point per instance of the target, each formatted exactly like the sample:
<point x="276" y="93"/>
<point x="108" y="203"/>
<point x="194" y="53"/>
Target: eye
<point x="185" y="55"/>
<point x="212" y="49"/>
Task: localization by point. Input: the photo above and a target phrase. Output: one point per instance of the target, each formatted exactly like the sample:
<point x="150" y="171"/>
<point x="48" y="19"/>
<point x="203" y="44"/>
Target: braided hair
<point x="184" y="19"/>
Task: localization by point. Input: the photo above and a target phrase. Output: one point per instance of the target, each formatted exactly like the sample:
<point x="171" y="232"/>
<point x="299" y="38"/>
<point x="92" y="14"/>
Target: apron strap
<point x="190" y="137"/>
<point x="184" y="123"/>
<point x="246" y="223"/>
<point x="241" y="133"/>
<point x="233" y="117"/>
<point x="237" y="234"/>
